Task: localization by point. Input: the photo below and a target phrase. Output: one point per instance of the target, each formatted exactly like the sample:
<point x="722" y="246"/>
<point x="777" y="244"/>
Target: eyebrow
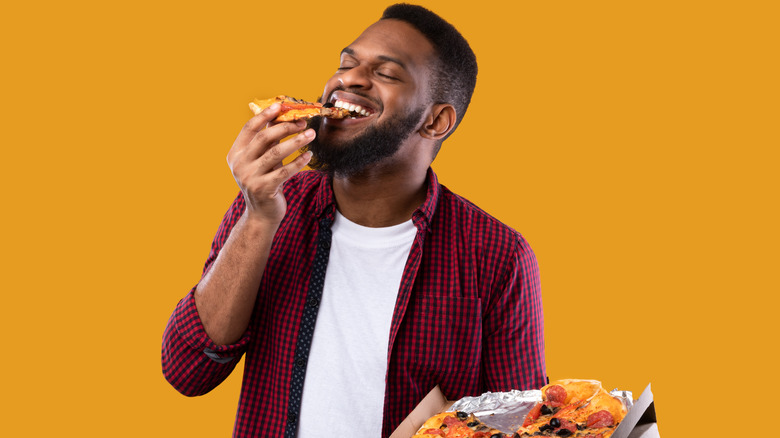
<point x="385" y="58"/>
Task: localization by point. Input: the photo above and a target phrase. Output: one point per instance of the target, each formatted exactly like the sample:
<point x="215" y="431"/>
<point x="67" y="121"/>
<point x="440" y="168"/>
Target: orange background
<point x="636" y="151"/>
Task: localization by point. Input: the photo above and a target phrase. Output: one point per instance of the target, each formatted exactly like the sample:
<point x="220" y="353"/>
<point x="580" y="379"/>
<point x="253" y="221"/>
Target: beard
<point x="351" y="157"/>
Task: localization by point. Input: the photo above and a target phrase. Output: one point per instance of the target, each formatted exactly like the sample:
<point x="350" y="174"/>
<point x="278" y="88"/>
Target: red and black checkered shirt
<point x="468" y="316"/>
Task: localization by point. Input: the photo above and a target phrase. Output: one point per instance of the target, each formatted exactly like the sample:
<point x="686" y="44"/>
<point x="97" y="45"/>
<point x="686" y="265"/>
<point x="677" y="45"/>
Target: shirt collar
<point x="325" y="202"/>
<point x="423" y="216"/>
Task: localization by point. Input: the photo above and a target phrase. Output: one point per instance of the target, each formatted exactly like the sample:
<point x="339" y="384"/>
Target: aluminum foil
<point x="506" y="411"/>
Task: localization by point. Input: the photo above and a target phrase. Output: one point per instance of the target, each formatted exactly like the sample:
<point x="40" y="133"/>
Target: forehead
<point x="396" y="39"/>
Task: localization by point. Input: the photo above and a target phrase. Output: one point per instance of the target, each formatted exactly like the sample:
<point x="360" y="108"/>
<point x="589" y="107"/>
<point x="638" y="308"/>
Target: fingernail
<point x="309" y="133"/>
<point x="274" y="106"/>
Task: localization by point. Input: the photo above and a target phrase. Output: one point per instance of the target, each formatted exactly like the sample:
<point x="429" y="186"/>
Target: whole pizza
<point x="569" y="408"/>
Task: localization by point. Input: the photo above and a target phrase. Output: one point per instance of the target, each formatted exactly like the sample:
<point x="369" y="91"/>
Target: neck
<point x="380" y="199"/>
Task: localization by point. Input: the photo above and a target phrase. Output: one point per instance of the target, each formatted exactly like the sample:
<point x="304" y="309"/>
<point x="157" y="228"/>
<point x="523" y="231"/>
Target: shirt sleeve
<point x="191" y="361"/>
<point x="513" y="346"/>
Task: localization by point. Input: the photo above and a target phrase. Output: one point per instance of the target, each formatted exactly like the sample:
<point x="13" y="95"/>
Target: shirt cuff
<point x="190" y="328"/>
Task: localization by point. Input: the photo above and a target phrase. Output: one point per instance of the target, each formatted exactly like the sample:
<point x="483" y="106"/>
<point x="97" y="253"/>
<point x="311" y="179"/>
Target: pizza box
<point x="640" y="422"/>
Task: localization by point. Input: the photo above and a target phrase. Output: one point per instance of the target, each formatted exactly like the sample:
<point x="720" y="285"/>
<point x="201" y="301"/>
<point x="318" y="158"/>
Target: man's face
<point x="385" y="73"/>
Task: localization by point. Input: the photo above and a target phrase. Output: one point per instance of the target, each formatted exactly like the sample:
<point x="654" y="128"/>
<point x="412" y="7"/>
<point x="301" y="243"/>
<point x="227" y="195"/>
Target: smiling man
<point x="355" y="288"/>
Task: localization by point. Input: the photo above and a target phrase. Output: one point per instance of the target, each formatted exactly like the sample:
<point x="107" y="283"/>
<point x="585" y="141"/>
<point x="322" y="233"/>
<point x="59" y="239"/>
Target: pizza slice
<point x="457" y="425"/>
<point x="296" y="109"/>
<point x="601" y="415"/>
<point x="574" y="408"/>
<point x="560" y="400"/>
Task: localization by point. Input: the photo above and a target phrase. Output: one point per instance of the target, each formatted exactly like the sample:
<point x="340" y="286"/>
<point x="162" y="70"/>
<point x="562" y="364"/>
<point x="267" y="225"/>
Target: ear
<point x="439" y="123"/>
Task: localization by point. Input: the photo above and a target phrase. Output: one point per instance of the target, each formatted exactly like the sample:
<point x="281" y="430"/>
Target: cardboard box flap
<point x="640" y="422"/>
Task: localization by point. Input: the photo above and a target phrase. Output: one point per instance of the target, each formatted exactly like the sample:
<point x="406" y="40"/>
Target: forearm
<point x="226" y="294"/>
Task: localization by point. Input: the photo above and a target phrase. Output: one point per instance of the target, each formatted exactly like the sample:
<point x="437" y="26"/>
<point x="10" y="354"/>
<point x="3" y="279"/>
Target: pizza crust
<point x="576" y="389"/>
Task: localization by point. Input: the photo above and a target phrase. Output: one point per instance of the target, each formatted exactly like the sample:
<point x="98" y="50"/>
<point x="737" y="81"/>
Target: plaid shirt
<point x="468" y="316"/>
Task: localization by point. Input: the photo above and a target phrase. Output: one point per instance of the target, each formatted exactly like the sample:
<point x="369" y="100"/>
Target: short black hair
<point x="455" y="70"/>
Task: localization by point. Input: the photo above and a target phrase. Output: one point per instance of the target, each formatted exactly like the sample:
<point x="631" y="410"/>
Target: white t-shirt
<point x="343" y="393"/>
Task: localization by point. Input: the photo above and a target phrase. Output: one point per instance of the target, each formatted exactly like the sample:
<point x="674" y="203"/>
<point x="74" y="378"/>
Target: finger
<point x="275" y="155"/>
<point x="283" y="173"/>
<point x="262" y="141"/>
<point x="258" y="122"/>
<point x="272" y="135"/>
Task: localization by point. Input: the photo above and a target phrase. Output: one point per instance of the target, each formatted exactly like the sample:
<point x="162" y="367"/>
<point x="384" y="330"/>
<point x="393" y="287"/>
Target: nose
<point x="355" y="77"/>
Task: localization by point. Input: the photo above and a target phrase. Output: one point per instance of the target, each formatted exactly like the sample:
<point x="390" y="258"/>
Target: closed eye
<point x="387" y="76"/>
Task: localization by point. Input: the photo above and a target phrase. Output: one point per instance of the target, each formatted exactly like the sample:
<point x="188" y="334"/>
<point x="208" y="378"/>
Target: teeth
<point x="351" y="107"/>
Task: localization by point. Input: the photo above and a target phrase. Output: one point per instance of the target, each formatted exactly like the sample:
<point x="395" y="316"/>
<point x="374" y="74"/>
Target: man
<point x="356" y="288"/>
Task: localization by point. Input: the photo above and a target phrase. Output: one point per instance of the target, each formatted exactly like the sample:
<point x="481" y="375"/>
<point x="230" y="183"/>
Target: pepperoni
<point x="451" y="420"/>
<point x="556" y="393"/>
<point x="533" y="414"/>
<point x="601" y="418"/>
<point x="568" y="425"/>
<point x="434" y="432"/>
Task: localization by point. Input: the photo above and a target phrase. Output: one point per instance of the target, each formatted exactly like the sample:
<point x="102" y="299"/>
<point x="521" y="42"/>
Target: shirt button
<point x="300" y="363"/>
<point x="313" y="302"/>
